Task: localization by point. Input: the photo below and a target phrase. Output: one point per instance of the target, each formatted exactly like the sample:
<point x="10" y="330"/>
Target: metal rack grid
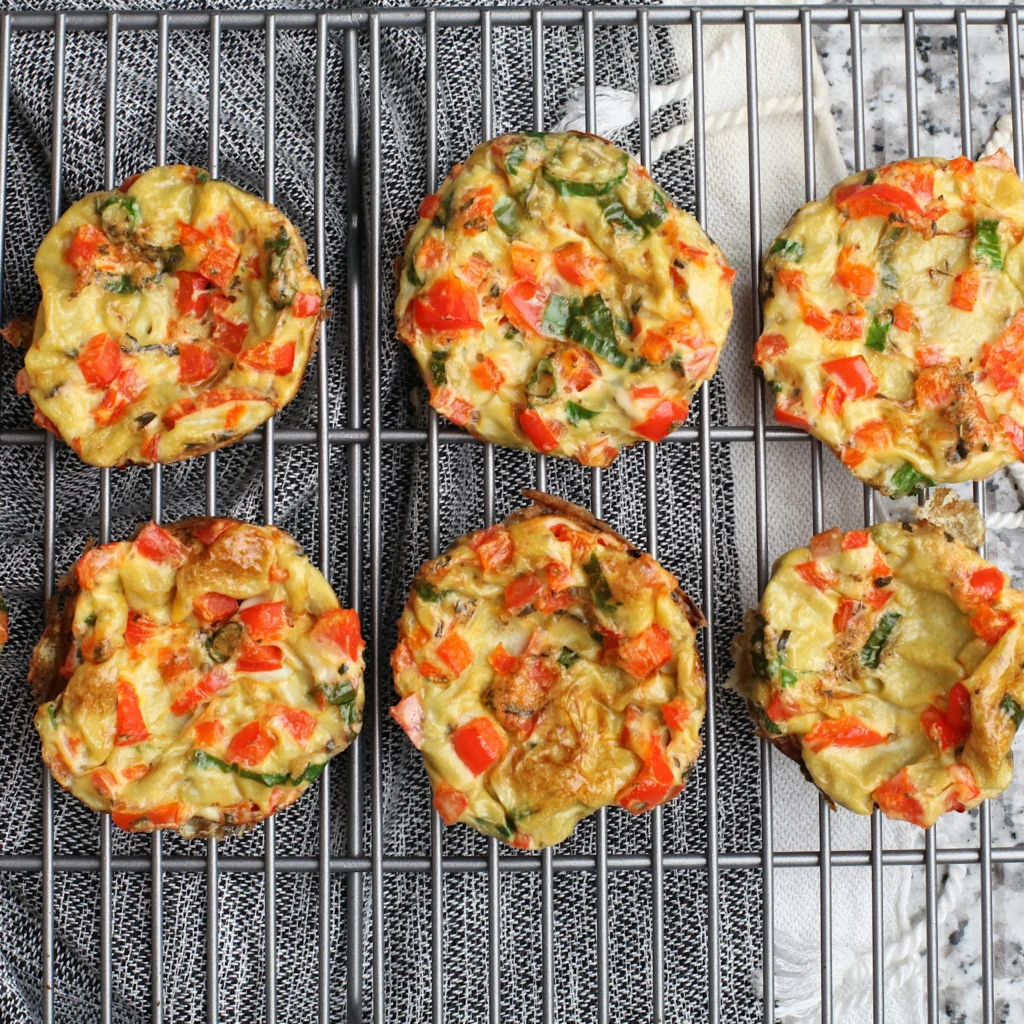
<point x="365" y="430"/>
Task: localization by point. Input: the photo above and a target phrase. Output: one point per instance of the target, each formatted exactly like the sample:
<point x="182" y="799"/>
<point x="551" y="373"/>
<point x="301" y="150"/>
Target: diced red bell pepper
<point x="990" y="624"/>
<point x="559" y="577"/>
<point x="408" y="713"/>
<point x="778" y="710"/>
<point x="205" y="688"/>
<point x="660" y="421"/>
<point x="156" y="544"/>
<point x="855" y="539"/>
<point x="652" y="783"/>
<point x="493" y="547"/>
<point x="574" y="263"/>
<point x="95" y="561"/>
<point x="524" y="303"/>
<point x="866" y="439"/>
<point x="455" y="653"/>
<point x="645" y="653"/>
<point x="166" y="814"/>
<point x="208" y="734"/>
<point x="502" y="662"/>
<point x="816" y="576"/>
<point x="785" y="416"/>
<point x="210" y="530"/>
<point x="298" y="722"/>
<point x="538" y="431"/>
<point x="903" y="317"/>
<point x="449" y="802"/>
<point x="191" y="236"/>
<point x="897" y="798"/>
<point x="985" y="584"/>
<point x="853" y="375"/>
<point x="857" y="278"/>
<point x="790" y="278"/>
<point x="100" y="360"/>
<point x="259" y="657"/>
<point x="270" y="357"/>
<point x="139" y="629"/>
<point x="1003" y="359"/>
<point x="676" y="714"/>
<point x="211" y="607"/>
<point x="965" y="290"/>
<point x="458" y="410"/>
<point x="768" y="347"/>
<point x="195" y="363"/>
<point x="949" y="728"/>
<point x="219" y="265"/>
<point x="305" y="304"/>
<point x="84" y="246"/>
<point x="526" y="260"/>
<point x="429" y="206"/>
<point x="877" y="597"/>
<point x="522" y="591"/>
<point x="1015" y="432"/>
<point x="192" y="296"/>
<point x="229" y="335"/>
<point x="824" y="545"/>
<point x="340" y="627"/>
<point x="487" y="375"/>
<point x="880" y="200"/>
<point x="841" y="732"/>
<point x="843" y="615"/>
<point x="448" y="305"/>
<point x="131" y="726"/>
<point x="250" y="746"/>
<point x="478" y="744"/>
<point x="265" y="621"/>
<point x="577" y="370"/>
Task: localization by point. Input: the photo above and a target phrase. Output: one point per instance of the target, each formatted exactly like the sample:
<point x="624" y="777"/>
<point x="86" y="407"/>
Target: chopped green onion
<point x="568" y="657"/>
<point x="788" y="249"/>
<point x="599" y="587"/>
<point x="577" y="414"/>
<point x="542" y="383"/>
<point x="591" y="325"/>
<point x="506" y="214"/>
<point x="986" y="244"/>
<point x="556" y="317"/>
<point x="758" y="659"/>
<point x="426" y="591"/>
<point x="763" y="720"/>
<point x="872" y="650"/>
<point x="907" y="480"/>
<point x="514" y="160"/>
<point x="1010" y="707"/>
<point x="787" y="677"/>
<point x="438" y="373"/>
<point x="878" y="332"/>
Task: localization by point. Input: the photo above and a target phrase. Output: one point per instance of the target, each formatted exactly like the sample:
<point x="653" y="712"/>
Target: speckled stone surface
<point x="938" y="132"/>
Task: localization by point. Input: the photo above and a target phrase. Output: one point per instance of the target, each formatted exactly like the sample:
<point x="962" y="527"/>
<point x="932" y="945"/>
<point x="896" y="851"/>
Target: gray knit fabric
<point x="406" y="517"/>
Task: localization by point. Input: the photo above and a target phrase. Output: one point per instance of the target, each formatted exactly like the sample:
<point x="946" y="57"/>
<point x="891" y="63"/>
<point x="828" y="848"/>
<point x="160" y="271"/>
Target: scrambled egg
<point x="177" y="315"/>
<point x="198" y="677"/>
<point x="888" y="662"/>
<point x="548" y="668"/>
<point x="556" y="300"/>
<point x="894" y="321"/>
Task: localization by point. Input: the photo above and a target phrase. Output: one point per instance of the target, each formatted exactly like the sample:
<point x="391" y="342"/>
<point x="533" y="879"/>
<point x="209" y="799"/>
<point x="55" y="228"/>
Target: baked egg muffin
<point x="177" y="315"/>
<point x="893" y="321"/>
<point x="548" y="668"/>
<point x="198" y="677"/>
<point x="887" y="662"/>
<point x="556" y="300"/>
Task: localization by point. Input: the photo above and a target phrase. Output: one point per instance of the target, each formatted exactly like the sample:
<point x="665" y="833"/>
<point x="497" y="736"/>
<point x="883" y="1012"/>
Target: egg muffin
<point x="548" y="668"/>
<point x="177" y="315"/>
<point x="556" y="300"/>
<point x="197" y="678"/>
<point x="894" y="321"/>
<point x="887" y="662"/>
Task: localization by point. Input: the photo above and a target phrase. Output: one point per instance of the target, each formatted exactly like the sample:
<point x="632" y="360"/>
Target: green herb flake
<point x="871" y="652"/>
<point x="878" y="332"/>
<point x="591" y="325"/>
<point x="122" y="285"/>
<point x="907" y="480"/>
<point x="599" y="587"/>
<point x="201" y="759"/>
<point x="577" y="414"/>
<point x="311" y="774"/>
<point x="267" y="778"/>
<point x="568" y="657"/>
<point x="506" y="215"/>
<point x="514" y="159"/>
<point x="203" y="177"/>
<point x="279" y="243"/>
<point x="758" y="659"/>
<point x="542" y="383"/>
<point x="426" y="591"/>
<point x="775" y="386"/>
<point x="438" y="373"/>
<point x="787" y="677"/>
<point x="788" y="248"/>
<point x="556" y="317"/>
<point x="1011" y="708"/>
<point x="987" y="250"/>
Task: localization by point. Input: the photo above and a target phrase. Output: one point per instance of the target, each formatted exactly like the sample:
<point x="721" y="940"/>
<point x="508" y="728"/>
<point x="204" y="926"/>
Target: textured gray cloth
<point x="406" y="515"/>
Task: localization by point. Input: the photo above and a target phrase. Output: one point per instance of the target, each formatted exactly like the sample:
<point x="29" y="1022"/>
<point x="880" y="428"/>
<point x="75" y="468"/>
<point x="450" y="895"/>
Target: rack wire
<point x="369" y="331"/>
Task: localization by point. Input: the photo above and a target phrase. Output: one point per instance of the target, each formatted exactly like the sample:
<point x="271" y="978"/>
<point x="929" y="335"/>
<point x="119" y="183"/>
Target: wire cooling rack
<point x="365" y="432"/>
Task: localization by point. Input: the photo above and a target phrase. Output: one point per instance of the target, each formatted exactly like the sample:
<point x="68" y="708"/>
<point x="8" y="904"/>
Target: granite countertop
<point x="939" y="133"/>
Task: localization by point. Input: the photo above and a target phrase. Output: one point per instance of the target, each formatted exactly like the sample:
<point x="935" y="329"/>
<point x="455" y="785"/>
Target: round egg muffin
<point x="548" y="668"/>
<point x="887" y="662"/>
<point x="894" y="321"/>
<point x="177" y="315"/>
<point x="556" y="300"/>
<point x="198" y="677"/>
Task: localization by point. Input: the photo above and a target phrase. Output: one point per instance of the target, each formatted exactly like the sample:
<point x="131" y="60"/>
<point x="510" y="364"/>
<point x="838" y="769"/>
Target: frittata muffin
<point x="556" y="300"/>
<point x="198" y="677"/>
<point x="548" y="668"/>
<point x="177" y="315"/>
<point x="894" y="321"/>
<point x="887" y="662"/>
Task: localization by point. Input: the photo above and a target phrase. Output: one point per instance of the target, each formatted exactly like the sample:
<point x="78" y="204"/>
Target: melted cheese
<point x="564" y="705"/>
<point x="599" y="307"/>
<point x="926" y="289"/>
<point x="117" y="264"/>
<point x="832" y="641"/>
<point x="136" y="632"/>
